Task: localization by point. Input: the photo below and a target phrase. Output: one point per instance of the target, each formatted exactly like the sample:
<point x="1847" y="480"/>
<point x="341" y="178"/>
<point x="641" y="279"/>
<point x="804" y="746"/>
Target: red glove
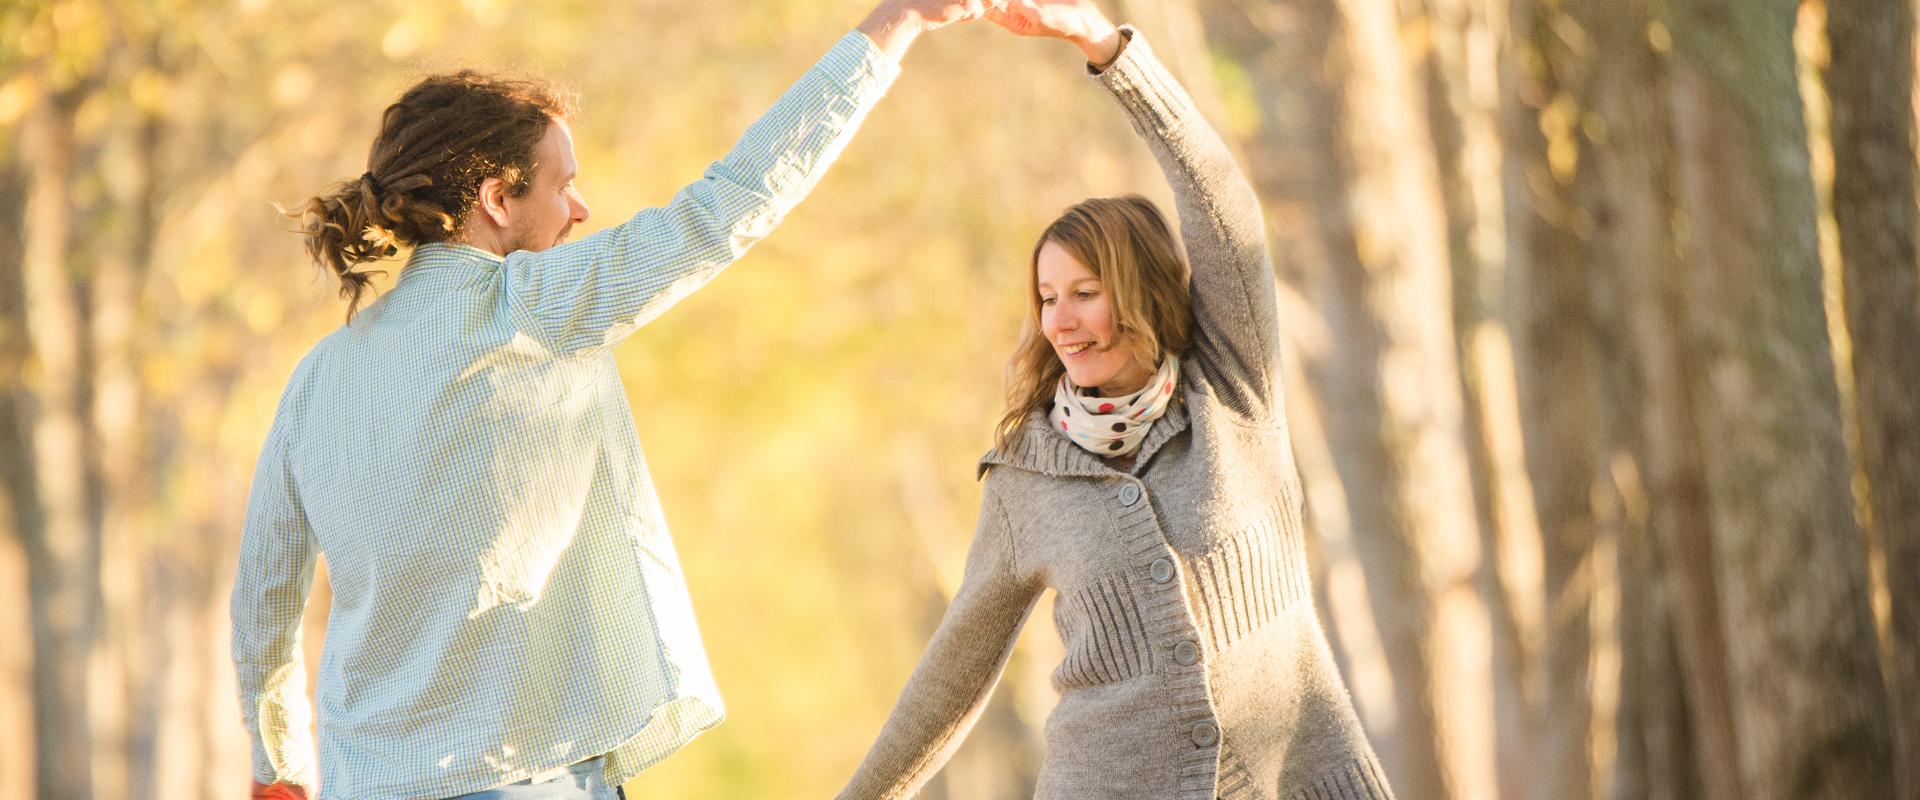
<point x="279" y="791"/>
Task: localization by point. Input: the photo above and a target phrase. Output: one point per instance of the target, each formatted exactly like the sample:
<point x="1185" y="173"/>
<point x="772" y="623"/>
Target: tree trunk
<point x="1289" y="56"/>
<point x="1176" y="27"/>
<point x="1353" y="190"/>
<point x="124" y="417"/>
<point x="1399" y="437"/>
<point x="53" y="497"/>
<point x="1810" y="704"/>
<point x="1556" y="365"/>
<point x="19" y="488"/>
<point x="1870" y="86"/>
<point x="1463" y="109"/>
<point x="1627" y="199"/>
<point x="1656" y="748"/>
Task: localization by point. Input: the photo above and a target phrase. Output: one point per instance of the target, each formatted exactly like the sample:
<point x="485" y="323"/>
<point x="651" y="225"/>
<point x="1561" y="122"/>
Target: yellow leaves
<point x="401" y="41"/>
<point x="420" y="28"/>
<point x="17" y="97"/>
<point x="1559" y="123"/>
<point x="147" y="91"/>
<point x="74" y="36"/>
<point x="489" y="13"/>
<point x="1238" y="97"/>
<point x="293" y="85"/>
<point x="263" y="312"/>
<point x="163" y="373"/>
<point x="1659" y="38"/>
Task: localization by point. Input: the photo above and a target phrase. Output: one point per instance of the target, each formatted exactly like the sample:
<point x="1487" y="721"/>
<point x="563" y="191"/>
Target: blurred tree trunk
<point x="18" y="491"/>
<point x="125" y="418"/>
<point x="1810" y="705"/>
<point x="1671" y="618"/>
<point x="53" y="494"/>
<point x="1557" y="369"/>
<point x="1463" y="104"/>
<point x="1870" y="86"/>
<point x="1339" y="162"/>
<point x="1656" y="739"/>
<point x="1284" y="57"/>
<point x="1177" y="30"/>
<point x="1395" y="417"/>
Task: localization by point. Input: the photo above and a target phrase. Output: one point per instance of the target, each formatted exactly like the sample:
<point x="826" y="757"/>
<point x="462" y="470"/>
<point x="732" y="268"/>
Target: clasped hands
<point x="895" y="23"/>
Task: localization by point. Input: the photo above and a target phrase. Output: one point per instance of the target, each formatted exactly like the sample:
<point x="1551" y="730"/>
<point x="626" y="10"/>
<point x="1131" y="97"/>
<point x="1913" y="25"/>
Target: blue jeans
<point x="583" y="781"/>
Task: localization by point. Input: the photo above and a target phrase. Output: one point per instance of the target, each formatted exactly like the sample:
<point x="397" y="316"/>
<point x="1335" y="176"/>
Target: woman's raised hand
<point x="1078" y="21"/>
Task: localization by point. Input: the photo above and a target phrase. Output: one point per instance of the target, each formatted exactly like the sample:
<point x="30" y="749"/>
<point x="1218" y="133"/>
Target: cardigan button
<point x="1186" y="653"/>
<point x="1129" y="494"/>
<point x="1204" y="734"/>
<point x="1161" y="569"/>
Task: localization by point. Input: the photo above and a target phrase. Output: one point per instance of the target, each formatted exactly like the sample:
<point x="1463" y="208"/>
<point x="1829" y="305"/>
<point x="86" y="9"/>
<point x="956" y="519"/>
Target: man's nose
<point x="580" y="210"/>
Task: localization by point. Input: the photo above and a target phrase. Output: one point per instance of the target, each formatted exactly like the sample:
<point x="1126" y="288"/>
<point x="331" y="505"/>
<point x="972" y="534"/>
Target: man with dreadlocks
<point x="509" y="619"/>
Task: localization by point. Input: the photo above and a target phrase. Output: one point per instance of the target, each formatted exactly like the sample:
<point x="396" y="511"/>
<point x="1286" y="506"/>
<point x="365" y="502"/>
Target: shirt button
<point x="1129" y="494"/>
<point x="1204" y="734"/>
<point x="1162" y="570"/>
<point x="1186" y="653"/>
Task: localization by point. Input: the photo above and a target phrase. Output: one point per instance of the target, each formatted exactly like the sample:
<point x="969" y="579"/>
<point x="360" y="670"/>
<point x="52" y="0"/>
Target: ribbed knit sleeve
<point x="957" y="672"/>
<point x="1236" y="322"/>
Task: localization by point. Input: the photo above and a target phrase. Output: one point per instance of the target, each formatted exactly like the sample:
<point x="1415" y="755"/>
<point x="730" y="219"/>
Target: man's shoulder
<point x="306" y="372"/>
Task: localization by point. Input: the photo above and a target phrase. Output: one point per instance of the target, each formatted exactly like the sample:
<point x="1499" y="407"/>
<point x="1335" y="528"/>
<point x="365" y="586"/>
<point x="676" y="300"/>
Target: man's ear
<point x="493" y="201"/>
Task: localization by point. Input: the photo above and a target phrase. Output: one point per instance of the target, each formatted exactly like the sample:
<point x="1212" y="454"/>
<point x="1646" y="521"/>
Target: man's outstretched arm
<point x="592" y="293"/>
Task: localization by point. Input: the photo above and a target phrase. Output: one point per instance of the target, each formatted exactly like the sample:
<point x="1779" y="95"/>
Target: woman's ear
<point x="493" y="201"/>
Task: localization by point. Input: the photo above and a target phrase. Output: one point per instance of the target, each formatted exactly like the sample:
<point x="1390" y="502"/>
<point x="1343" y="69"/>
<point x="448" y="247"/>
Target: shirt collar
<point x="434" y="256"/>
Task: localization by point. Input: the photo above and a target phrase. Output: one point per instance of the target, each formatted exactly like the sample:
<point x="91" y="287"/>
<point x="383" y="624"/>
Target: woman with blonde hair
<point x="1143" y="473"/>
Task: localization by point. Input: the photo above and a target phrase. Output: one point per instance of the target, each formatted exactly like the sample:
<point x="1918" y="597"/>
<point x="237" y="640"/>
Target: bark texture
<point x="1557" y="369"/>
<point x="51" y="495"/>
<point x="1810" y="707"/>
<point x="1671" y="622"/>
<point x="1870" y="86"/>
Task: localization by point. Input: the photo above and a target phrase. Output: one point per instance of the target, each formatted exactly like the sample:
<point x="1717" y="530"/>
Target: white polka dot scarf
<point x="1111" y="427"/>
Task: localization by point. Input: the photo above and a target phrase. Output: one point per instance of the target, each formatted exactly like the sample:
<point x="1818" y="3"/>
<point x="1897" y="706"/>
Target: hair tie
<point x="367" y="178"/>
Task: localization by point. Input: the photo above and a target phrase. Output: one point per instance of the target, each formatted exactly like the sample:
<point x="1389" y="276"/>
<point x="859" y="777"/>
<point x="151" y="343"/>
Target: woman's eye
<point x="1083" y="294"/>
<point x="1046" y="301"/>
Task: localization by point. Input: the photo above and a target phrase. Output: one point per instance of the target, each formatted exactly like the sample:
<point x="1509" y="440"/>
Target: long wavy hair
<point x="1126" y="243"/>
<point x="437" y="143"/>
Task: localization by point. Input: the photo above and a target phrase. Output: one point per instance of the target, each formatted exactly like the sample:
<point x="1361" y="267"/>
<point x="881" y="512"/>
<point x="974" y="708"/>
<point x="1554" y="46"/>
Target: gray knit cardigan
<point x="1195" y="667"/>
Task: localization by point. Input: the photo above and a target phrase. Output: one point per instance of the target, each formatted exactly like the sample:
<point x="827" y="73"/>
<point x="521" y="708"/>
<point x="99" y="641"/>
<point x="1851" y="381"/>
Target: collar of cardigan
<point x="1044" y="450"/>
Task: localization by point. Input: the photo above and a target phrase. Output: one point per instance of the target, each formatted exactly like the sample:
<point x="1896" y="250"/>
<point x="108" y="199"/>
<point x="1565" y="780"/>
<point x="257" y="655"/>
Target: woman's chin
<point x="1084" y="379"/>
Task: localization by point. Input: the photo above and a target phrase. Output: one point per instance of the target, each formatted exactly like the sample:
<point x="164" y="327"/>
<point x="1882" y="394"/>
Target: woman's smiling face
<point x="1076" y="316"/>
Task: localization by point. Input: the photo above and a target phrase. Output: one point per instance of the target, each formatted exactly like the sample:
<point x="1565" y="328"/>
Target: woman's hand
<point x="1078" y="21"/>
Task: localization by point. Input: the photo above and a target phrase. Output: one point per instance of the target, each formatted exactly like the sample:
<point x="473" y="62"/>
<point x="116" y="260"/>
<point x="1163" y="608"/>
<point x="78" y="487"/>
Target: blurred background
<point x="1602" y="363"/>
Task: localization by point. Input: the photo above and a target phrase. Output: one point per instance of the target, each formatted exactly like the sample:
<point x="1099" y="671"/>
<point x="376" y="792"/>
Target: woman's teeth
<point x="1074" y="349"/>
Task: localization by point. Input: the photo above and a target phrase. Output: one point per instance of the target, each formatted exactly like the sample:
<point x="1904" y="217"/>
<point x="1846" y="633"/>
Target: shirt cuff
<point x="1126" y="38"/>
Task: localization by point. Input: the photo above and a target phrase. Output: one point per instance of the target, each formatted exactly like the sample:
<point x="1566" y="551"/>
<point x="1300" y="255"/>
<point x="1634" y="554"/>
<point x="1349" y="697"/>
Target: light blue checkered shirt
<point x="506" y="597"/>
